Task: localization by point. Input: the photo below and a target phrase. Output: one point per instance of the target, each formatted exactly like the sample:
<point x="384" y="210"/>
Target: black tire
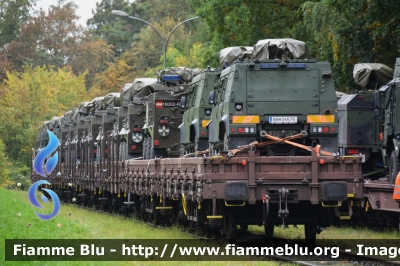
<point x="145" y="149"/>
<point x="269" y="230"/>
<point x="310" y="231"/>
<point x="394" y="167"/>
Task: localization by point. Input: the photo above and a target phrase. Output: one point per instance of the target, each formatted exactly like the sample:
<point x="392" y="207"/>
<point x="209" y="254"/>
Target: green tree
<point x="5" y="165"/>
<point x="12" y="15"/>
<point x="244" y="22"/>
<point x="31" y="97"/>
<point x="350" y="31"/>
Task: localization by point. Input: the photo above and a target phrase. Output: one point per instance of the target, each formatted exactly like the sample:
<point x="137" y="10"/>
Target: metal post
<point x="164" y="43"/>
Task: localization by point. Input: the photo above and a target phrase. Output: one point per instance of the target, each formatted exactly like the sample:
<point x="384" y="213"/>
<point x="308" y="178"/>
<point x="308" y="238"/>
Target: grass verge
<point x="20" y="222"/>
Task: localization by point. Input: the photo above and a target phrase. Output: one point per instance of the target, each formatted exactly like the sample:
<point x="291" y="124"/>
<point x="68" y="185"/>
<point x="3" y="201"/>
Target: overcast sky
<point x="84" y="8"/>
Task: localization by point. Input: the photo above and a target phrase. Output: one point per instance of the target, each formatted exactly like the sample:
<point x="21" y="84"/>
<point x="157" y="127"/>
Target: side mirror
<point x="211" y="97"/>
<point x="183" y="102"/>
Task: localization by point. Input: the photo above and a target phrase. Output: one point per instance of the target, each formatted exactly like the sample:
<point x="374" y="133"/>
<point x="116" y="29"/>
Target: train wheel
<point x="394" y="167"/>
<point x="310" y="231"/>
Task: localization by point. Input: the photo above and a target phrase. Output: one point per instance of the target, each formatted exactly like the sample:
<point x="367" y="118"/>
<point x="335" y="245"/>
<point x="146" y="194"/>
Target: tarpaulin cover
<point x="98" y="103"/>
<point x="74" y="114"/>
<point x="86" y="108"/>
<point x="363" y="72"/>
<point x="141" y="87"/>
<point x="45" y="126"/>
<point x="275" y="48"/>
<point x="187" y="74"/>
<point x="112" y="100"/>
<point x="231" y="54"/>
<point x="125" y="93"/>
<point x="67" y="115"/>
<point x="54" y="122"/>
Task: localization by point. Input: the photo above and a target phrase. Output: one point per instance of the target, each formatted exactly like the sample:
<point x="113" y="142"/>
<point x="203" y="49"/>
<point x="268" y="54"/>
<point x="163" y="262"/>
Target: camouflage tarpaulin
<point x="45" y="126"/>
<point x="187" y="74"/>
<point x="231" y="54"/>
<point x="112" y="100"/>
<point x="142" y="87"/>
<point x="54" y="122"/>
<point x="86" y="108"/>
<point x="67" y="115"/>
<point x="275" y="48"/>
<point x="362" y="74"/>
<point x="74" y="114"/>
<point x="98" y="103"/>
<point x="125" y="93"/>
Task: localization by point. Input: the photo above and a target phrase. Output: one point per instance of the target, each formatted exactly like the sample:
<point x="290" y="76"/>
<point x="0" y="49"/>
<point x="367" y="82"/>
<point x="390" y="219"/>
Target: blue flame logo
<point x="43" y="154"/>
<point x="38" y="168"/>
<point x="34" y="201"/>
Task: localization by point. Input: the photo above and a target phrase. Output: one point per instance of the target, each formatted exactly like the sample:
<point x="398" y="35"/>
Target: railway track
<point x="252" y="239"/>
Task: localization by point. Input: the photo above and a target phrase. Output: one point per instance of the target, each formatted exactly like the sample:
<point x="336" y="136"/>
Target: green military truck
<point x="367" y="119"/>
<point x="193" y="131"/>
<point x="131" y="117"/>
<point x="278" y="93"/>
<point x="163" y="113"/>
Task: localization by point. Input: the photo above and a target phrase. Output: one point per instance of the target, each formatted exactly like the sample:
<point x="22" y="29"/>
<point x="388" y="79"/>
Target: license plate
<point x="283" y="119"/>
<point x="171" y="104"/>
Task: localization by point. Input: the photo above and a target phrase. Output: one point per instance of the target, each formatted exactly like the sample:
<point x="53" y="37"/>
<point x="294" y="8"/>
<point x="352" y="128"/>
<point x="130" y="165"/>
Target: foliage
<point x="244" y="22"/>
<point x="347" y="32"/>
<point x="31" y="97"/>
<point x="55" y="39"/>
<point x="12" y="14"/>
<point x="4" y="167"/>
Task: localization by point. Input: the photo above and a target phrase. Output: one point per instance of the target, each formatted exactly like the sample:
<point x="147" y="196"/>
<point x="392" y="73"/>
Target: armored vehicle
<point x="86" y="110"/>
<point x="108" y="133"/>
<point x="163" y="113"/>
<point x="278" y="94"/>
<point x="95" y="124"/>
<point x="132" y="116"/>
<point x="193" y="131"/>
<point x="367" y="119"/>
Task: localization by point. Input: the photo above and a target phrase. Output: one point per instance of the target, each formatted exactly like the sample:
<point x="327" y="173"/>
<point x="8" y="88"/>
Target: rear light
<point x="233" y="130"/>
<point x="202" y="133"/>
<point x="156" y="142"/>
<point x="137" y="129"/>
<point x="353" y="151"/>
<point x="321" y="129"/>
<point x="245" y="130"/>
<point x="106" y="151"/>
<point x="334" y="129"/>
<point x="159" y="104"/>
<point x="133" y="147"/>
<point x="94" y="151"/>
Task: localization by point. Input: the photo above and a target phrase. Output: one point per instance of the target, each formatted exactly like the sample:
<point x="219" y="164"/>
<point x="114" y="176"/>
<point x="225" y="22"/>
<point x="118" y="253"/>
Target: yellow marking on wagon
<point x="215" y="216"/>
<point x="204" y="123"/>
<point x="320" y="118"/>
<point x="245" y="119"/>
<point x="164" y="208"/>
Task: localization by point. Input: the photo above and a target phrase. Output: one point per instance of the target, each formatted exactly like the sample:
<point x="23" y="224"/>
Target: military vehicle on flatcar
<point x="163" y="113"/>
<point x="277" y="93"/>
<point x="132" y="115"/>
<point x="367" y="119"/>
<point x="193" y="130"/>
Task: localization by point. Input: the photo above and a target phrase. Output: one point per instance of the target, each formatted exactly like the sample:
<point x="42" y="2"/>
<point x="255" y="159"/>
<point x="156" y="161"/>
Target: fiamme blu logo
<point x="44" y="169"/>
